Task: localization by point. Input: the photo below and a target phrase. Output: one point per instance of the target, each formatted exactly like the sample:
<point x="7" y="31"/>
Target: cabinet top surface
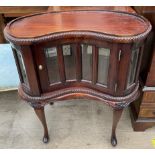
<point x="116" y="24"/>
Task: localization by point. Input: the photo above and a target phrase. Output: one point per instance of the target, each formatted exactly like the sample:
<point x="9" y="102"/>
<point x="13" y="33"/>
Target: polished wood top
<point x="108" y="22"/>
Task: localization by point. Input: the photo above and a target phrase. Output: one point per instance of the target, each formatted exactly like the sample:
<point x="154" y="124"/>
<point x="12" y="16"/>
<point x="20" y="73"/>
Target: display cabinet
<point x="78" y="54"/>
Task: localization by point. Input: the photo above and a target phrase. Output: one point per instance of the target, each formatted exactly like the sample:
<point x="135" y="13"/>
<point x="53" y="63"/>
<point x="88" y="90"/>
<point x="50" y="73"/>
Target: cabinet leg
<point x="41" y="115"/>
<point x="116" y="117"/>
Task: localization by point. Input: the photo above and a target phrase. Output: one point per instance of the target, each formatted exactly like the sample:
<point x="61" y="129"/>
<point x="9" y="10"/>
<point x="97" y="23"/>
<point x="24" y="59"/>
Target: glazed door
<point x="76" y="64"/>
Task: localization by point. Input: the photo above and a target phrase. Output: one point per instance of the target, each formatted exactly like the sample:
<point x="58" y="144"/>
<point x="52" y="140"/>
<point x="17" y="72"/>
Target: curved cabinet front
<point x="99" y="65"/>
<point x="75" y="63"/>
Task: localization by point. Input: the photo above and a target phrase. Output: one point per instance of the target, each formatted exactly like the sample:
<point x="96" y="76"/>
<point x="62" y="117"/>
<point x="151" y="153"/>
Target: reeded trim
<point x="116" y="102"/>
<point x="78" y="34"/>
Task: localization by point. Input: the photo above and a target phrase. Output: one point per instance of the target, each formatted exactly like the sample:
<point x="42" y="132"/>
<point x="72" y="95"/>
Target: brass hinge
<point x="115" y="87"/>
<point x="119" y="56"/>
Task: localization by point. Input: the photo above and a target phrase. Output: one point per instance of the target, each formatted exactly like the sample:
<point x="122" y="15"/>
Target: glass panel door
<point x="103" y="65"/>
<point x="86" y="62"/>
<point x="132" y="67"/>
<point x="69" y="62"/>
<point x="52" y="64"/>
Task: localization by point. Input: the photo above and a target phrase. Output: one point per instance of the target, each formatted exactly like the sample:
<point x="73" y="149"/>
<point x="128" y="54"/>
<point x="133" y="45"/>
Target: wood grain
<point x="118" y="24"/>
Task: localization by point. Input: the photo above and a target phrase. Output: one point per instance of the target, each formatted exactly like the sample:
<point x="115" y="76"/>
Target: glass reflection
<point x="86" y="61"/>
<point x="133" y="67"/>
<point x="69" y="62"/>
<point x="52" y="64"/>
<point x="22" y="68"/>
<point x="103" y="65"/>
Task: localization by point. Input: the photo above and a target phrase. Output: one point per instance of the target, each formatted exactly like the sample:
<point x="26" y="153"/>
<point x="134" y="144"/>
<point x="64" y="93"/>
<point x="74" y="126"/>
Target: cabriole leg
<point x="41" y="115"/>
<point x="116" y="117"/>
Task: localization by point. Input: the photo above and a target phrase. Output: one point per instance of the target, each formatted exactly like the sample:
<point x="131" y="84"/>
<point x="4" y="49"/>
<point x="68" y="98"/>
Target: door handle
<point x="40" y="67"/>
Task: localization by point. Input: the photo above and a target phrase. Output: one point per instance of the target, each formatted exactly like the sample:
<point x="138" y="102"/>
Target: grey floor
<point x="72" y="124"/>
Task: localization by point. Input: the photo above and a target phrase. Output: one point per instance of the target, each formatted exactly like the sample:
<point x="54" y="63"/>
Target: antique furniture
<point x="78" y="54"/>
<point x="143" y="110"/>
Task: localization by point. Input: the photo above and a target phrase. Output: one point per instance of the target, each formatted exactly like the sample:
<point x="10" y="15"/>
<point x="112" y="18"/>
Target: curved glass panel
<point x="133" y="67"/>
<point x="103" y="65"/>
<point x="86" y="62"/>
<point x="52" y="64"/>
<point x="22" y="68"/>
<point x="69" y="62"/>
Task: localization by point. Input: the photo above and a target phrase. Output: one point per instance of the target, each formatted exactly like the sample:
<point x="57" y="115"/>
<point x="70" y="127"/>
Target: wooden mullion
<point x="124" y="65"/>
<point x="78" y="58"/>
<point x="95" y="65"/>
<point x="112" y="78"/>
<point x="61" y="64"/>
<point x="31" y="73"/>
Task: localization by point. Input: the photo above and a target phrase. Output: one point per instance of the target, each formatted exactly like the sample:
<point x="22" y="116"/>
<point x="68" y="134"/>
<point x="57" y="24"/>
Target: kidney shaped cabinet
<point x="78" y="54"/>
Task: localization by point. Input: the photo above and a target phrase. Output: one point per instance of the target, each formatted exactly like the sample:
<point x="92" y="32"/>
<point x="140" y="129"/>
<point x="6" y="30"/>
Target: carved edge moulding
<point x="115" y="102"/>
<point x="100" y="36"/>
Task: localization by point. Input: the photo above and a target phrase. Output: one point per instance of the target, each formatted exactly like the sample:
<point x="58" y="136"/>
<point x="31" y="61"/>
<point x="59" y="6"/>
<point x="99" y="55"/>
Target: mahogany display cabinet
<point x="78" y="54"/>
